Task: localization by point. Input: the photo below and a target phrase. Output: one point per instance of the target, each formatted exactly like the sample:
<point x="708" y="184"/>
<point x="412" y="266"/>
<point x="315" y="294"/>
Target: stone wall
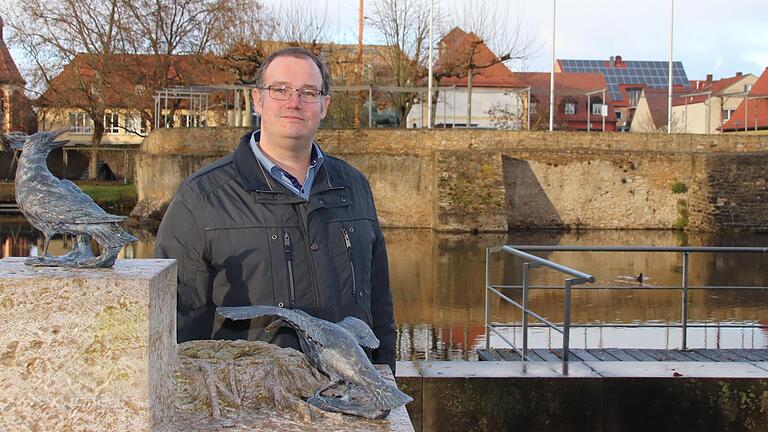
<point x="491" y="180"/>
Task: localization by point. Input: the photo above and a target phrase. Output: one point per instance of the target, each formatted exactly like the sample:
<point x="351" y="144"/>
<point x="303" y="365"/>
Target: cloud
<point x="759" y="58"/>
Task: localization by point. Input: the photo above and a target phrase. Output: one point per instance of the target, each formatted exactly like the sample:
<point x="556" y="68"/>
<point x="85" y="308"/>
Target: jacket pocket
<point x="288" y="250"/>
<point x="354" y="246"/>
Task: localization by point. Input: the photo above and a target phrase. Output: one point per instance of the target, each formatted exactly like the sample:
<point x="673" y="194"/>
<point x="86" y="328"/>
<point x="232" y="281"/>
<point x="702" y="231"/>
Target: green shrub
<point x="679" y="187"/>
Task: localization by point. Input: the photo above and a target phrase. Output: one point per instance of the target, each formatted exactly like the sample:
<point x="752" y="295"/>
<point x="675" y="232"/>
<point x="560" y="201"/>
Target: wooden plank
<point x="488" y="355"/>
<point x="584" y="355"/>
<point x="547" y="355"/>
<point x="640" y="355"/>
<point x="602" y="355"/>
<point x="659" y="354"/>
<point x="710" y="354"/>
<point x="508" y="354"/>
<point x="533" y="356"/>
<point x="753" y="354"/>
<point x="620" y="354"/>
<point x="695" y="356"/>
<point x="735" y="355"/>
<point x="676" y="355"/>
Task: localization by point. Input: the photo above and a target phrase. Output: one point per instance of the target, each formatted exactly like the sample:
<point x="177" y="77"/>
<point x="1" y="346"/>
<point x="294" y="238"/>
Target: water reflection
<point x="438" y="279"/>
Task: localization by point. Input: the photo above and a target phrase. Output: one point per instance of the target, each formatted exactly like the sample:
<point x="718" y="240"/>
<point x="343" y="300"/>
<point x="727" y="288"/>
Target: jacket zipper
<point x="289" y="258"/>
<point x="348" y="244"/>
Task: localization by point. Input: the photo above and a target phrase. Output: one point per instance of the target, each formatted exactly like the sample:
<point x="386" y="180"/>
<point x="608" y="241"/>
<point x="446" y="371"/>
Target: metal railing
<point x="529" y="263"/>
<point x="532" y="261"/>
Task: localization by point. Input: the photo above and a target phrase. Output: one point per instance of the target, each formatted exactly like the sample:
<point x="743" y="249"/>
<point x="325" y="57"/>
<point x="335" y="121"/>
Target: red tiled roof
<point x="658" y="100"/>
<point x="755" y="113"/>
<point x="568" y="85"/>
<point x="459" y="48"/>
<point x="716" y="87"/>
<point x="9" y="73"/>
<point x="124" y="72"/>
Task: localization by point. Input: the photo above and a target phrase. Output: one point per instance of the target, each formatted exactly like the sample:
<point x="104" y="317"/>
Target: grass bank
<point x="115" y="198"/>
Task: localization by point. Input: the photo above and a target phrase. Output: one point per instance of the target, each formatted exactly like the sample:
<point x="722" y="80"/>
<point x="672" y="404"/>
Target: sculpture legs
<point x="79" y="256"/>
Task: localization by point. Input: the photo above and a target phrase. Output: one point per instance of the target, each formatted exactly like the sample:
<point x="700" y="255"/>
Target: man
<point x="279" y="223"/>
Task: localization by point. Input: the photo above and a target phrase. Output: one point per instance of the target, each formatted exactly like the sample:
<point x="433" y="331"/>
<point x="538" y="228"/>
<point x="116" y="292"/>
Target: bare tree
<point x="403" y="25"/>
<point x="488" y="26"/>
<point x="53" y="33"/>
<point x="301" y="23"/>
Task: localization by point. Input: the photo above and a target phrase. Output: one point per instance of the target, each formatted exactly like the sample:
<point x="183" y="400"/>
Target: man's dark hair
<point x="297" y="52"/>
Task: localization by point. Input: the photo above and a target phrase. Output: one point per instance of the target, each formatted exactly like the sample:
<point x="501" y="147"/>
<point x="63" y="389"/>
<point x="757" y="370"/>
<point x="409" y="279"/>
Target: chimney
<point x="738" y="73"/>
<point x="709" y="78"/>
<point x="617" y="61"/>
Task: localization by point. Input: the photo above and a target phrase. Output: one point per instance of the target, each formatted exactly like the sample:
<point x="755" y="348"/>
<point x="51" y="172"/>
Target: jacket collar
<point x="254" y="176"/>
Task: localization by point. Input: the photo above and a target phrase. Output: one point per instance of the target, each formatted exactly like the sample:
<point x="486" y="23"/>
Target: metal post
<point x="125" y="167"/>
<point x="487" y="299"/>
<point x="454" y="106"/>
<point x="429" y="83"/>
<point x="567" y="319"/>
<point x="746" y="109"/>
<point x="370" y="106"/>
<point x="671" y="28"/>
<point x="552" y="74"/>
<point x="686" y="115"/>
<point x="606" y="110"/>
<point x="529" y="108"/>
<point x="589" y="112"/>
<point x="526" y="268"/>
<point x="685" y="301"/>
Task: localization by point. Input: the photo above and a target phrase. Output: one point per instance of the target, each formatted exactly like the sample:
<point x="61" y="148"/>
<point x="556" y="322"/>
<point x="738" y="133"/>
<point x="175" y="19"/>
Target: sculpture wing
<point x="315" y="328"/>
<point x="360" y="330"/>
<point x="64" y="202"/>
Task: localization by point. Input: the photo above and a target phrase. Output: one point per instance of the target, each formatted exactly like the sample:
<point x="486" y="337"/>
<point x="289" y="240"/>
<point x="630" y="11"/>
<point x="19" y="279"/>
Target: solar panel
<point x="654" y="74"/>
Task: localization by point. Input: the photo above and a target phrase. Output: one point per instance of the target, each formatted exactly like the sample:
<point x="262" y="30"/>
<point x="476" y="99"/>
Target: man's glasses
<point x="282" y="93"/>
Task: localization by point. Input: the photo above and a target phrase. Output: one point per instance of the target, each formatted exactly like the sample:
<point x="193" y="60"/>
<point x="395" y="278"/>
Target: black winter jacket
<point x="241" y="238"/>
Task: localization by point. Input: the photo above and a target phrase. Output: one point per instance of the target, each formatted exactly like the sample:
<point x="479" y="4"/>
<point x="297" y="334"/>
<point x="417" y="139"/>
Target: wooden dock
<point x="626" y="354"/>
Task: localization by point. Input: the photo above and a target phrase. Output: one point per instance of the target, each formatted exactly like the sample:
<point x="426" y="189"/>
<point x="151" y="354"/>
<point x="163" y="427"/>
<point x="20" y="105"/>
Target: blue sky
<point x="710" y="36"/>
<point x="720" y="37"/>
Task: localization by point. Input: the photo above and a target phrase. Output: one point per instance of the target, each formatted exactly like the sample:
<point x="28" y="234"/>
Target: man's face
<point x="292" y="118"/>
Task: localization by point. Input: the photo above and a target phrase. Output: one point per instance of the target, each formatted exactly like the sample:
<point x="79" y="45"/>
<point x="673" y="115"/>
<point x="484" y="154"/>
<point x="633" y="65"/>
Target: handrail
<point x="531" y="261"/>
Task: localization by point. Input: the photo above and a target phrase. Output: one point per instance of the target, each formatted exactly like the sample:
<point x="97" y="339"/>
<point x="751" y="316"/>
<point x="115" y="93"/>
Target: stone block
<point x="87" y="349"/>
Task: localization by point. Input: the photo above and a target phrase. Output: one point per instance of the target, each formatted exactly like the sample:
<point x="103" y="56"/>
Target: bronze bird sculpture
<point x="56" y="206"/>
<point x="334" y="349"/>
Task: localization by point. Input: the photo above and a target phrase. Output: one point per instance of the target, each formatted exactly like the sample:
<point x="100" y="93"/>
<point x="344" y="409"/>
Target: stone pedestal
<point x="87" y="349"/>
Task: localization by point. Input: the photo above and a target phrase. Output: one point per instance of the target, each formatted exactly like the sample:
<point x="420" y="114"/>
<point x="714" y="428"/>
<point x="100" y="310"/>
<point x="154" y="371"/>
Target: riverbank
<point x="115" y="198"/>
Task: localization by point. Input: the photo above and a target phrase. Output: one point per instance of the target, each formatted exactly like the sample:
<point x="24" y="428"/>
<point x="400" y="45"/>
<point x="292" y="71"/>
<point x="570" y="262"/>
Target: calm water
<point x="438" y="279"/>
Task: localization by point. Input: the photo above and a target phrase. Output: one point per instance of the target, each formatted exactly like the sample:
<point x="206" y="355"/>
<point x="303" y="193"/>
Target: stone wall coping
<point x="124" y="269"/>
<point x="217" y="141"/>
<point x="579" y="369"/>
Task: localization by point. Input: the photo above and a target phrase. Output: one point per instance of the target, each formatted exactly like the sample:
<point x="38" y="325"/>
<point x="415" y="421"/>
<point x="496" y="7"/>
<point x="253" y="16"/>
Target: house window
<point x="727" y="113"/>
<point x="80" y="123"/>
<point x="597" y="109"/>
<point x="111" y="125"/>
<point x="166" y="121"/>
<point x="747" y="87"/>
<point x="569" y="108"/>
<point x="534" y="103"/>
<point x="618" y="115"/>
<point x="135" y="124"/>
<point x="634" y="96"/>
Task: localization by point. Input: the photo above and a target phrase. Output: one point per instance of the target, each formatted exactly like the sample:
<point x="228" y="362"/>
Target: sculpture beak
<point x="57" y="144"/>
<point x="274" y="325"/>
